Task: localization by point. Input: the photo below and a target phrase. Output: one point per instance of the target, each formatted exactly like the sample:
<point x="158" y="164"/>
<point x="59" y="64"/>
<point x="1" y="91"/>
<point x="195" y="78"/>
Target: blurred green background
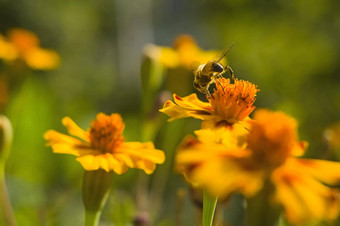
<point x="289" y="48"/>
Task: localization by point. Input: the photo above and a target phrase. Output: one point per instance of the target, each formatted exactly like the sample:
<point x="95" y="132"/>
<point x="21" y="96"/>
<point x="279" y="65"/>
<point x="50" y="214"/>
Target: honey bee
<point x="207" y="73"/>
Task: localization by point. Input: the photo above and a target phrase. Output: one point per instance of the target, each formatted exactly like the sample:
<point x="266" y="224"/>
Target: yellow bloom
<point x="230" y="103"/>
<point x="24" y="45"/>
<point x="189" y="52"/>
<point x="102" y="146"/>
<point x="222" y="164"/>
<point x="184" y="53"/>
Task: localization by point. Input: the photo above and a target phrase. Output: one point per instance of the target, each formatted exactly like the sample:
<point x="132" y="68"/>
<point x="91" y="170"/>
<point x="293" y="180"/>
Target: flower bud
<point x="5" y="141"/>
<point x="96" y="188"/>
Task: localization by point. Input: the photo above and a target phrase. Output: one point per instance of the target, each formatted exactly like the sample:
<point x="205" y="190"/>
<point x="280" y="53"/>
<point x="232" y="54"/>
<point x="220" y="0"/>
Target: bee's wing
<point x="224" y="52"/>
<point x="193" y="66"/>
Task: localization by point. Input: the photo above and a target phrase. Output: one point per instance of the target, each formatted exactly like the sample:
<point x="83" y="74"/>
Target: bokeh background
<point x="289" y="48"/>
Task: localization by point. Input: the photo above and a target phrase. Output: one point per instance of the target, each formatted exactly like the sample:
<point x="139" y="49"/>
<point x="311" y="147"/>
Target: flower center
<point x="272" y="138"/>
<point x="234" y="102"/>
<point x="106" y="132"/>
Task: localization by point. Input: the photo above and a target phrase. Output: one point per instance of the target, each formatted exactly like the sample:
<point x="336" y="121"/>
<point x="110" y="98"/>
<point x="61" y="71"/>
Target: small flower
<point x="230" y="102"/>
<point x="24" y="45"/>
<point x="223" y="161"/>
<point x="102" y="146"/>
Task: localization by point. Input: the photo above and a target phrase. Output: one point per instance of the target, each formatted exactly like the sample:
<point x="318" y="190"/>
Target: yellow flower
<point x="102" y="146"/>
<point x="24" y="45"/>
<point x="184" y="53"/>
<point x="219" y="162"/>
<point x="189" y="52"/>
<point x="230" y="102"/>
<point x="212" y="161"/>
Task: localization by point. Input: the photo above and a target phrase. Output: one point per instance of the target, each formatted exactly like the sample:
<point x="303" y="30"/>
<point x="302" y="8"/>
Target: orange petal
<point x="74" y="129"/>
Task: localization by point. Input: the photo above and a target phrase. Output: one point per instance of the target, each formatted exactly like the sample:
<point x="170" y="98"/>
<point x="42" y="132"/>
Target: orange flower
<point x="24" y="45"/>
<point x="229" y="102"/>
<point x="224" y="161"/>
<point x="102" y="146"/>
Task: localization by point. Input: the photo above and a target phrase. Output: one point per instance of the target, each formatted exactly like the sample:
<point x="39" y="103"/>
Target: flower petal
<point x="74" y="129"/>
<point x="142" y="150"/>
<point x="103" y="161"/>
<point x="54" y="137"/>
<point x="221" y="177"/>
<point x="189" y="106"/>
<point x="303" y="198"/>
<point x="65" y="144"/>
<point x="325" y="171"/>
<point x="140" y="155"/>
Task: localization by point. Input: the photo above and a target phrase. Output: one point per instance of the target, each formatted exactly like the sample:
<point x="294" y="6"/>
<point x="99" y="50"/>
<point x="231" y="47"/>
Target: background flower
<point x="103" y="146"/>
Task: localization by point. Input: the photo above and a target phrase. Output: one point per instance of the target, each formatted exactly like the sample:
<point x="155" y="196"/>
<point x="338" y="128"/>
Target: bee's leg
<point x="207" y="93"/>
<point x="231" y="72"/>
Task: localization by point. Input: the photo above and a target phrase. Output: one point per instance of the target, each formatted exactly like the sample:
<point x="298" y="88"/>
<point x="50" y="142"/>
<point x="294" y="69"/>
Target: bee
<point x="207" y="73"/>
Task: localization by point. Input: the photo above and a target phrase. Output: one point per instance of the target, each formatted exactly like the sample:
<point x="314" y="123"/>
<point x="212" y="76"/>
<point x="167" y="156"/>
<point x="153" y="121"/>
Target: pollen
<point x="233" y="101"/>
<point x="106" y="132"/>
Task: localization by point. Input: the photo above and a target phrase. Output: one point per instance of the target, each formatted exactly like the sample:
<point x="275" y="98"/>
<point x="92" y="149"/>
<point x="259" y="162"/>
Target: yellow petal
<point x="106" y="162"/>
<point x="54" y="137"/>
<point x="61" y="148"/>
<point x="189" y="106"/>
<point x="42" y="59"/>
<point x="303" y="198"/>
<point x="122" y="157"/>
<point x="65" y="144"/>
<point x="148" y="166"/>
<point x="116" y="165"/>
<point x="74" y="129"/>
<point x="221" y="178"/>
<point x="325" y="171"/>
<point x="7" y="50"/>
<point x="142" y="151"/>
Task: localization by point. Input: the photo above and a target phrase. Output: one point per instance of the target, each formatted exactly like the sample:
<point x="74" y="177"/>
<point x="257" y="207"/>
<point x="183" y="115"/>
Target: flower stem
<point x="260" y="211"/>
<point x="209" y="205"/>
<point x="92" y="218"/>
<point x="96" y="189"/>
<point x="6" y="204"/>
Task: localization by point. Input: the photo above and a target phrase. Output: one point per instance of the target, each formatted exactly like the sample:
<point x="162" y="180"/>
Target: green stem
<point x="92" y="218"/>
<point x="96" y="190"/>
<point x="209" y="205"/>
<point x="6" y="204"/>
<point x="260" y="211"/>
